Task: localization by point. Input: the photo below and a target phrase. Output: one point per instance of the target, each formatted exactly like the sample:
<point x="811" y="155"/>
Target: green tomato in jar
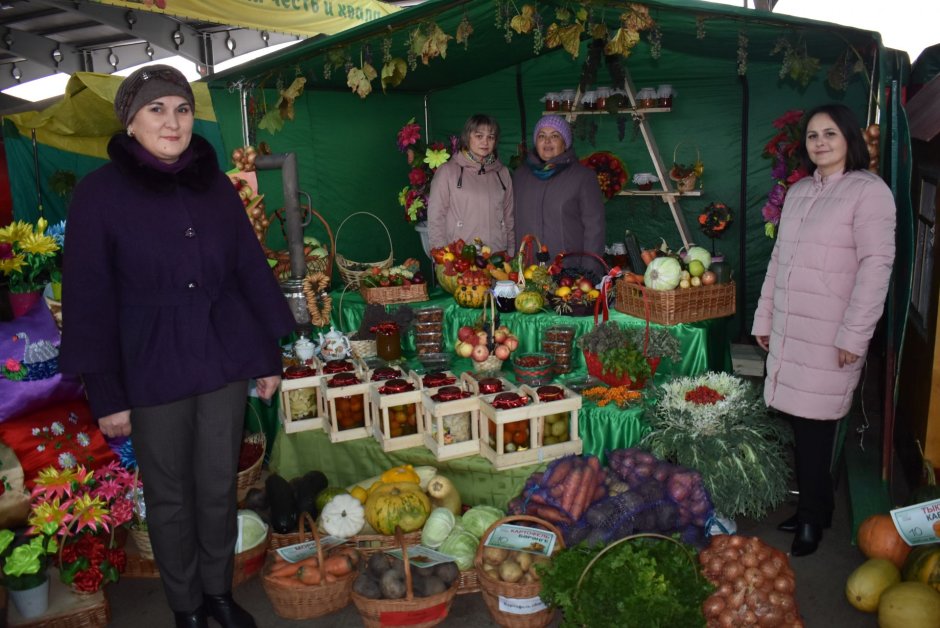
<point x="549" y="440"/>
<point x="559" y="428"/>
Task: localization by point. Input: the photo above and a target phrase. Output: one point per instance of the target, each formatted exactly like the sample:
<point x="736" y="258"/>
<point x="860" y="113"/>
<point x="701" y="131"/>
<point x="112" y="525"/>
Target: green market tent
<point x="724" y="62"/>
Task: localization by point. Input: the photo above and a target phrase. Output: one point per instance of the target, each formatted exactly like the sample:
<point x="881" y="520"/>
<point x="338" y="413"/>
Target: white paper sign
<point x="420" y="556"/>
<point x="521" y="538"/>
<point x="521" y="606"/>
<point x="300" y="551"/>
<point x="918" y="524"/>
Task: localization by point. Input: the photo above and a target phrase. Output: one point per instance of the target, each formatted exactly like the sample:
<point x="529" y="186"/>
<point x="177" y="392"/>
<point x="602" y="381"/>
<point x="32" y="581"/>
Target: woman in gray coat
<point x="558" y="199"/>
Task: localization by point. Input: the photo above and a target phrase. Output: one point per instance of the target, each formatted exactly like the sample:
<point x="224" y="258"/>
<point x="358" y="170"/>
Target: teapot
<point x="334" y="345"/>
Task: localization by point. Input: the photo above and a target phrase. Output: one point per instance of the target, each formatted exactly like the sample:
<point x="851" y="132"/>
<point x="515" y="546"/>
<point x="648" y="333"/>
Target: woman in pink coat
<point x="821" y="299"/>
<point x="471" y="195"/>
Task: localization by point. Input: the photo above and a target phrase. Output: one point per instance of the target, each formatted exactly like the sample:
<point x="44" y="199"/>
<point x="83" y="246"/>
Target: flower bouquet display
<point x="718" y="424"/>
<point x="29" y="258"/>
<point x="24" y="570"/>
<point x="82" y="509"/>
<point x="686" y="175"/>
<point x="786" y="169"/>
<point x="714" y="220"/>
<point x="611" y="173"/>
<point x="424" y="160"/>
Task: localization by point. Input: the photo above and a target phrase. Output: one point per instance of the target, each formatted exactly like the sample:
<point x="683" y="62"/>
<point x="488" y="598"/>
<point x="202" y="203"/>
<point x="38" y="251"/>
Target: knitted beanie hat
<point x="148" y="84"/>
<point x="555" y="122"/>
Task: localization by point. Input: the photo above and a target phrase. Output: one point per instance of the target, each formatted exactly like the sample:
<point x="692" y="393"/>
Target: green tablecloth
<point x="705" y="346"/>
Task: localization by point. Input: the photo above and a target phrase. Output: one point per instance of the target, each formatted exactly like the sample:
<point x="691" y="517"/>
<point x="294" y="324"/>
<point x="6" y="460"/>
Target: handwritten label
<point x="521" y="606"/>
<point x="422" y="556"/>
<point x="300" y="551"/>
<point x="918" y="524"/>
<point x="520" y="538"/>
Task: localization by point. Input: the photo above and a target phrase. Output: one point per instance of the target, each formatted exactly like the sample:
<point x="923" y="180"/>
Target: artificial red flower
<point x="417" y="176"/>
<point x="88" y="580"/>
<point x="409" y="134"/>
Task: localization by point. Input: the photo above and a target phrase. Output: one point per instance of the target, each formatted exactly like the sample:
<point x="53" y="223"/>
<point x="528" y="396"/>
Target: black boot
<point x="227" y="612"/>
<point x="790" y="525"/>
<point x="195" y="619"/>
<point x="808" y="536"/>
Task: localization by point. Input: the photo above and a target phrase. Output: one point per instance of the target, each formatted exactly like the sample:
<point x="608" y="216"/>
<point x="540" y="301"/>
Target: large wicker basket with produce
<point x="419" y="597"/>
<point x="669" y="307"/>
<point x="313" y="586"/>
<point x="509" y="578"/>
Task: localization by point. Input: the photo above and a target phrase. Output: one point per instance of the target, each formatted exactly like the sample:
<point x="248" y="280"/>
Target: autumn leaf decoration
<point x="635" y="19"/>
<point x="525" y="21"/>
<point x="431" y="43"/>
<point x="273" y="120"/>
<point x="464" y="30"/>
<point x="394" y="72"/>
<point x="566" y="32"/>
<point x="360" y="80"/>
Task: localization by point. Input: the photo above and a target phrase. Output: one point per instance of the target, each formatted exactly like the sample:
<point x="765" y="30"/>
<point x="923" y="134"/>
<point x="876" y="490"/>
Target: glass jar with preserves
<point x="387" y="341"/>
<point x="402" y="419"/>
<point x="516" y="434"/>
<point x="350" y="410"/>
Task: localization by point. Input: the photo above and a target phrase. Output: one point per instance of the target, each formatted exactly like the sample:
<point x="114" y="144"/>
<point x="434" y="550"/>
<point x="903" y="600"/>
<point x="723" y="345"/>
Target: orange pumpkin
<point x="878" y="538"/>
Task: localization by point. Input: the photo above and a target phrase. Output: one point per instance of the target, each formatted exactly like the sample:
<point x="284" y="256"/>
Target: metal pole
<point x="287" y="162"/>
<point x="36" y="169"/>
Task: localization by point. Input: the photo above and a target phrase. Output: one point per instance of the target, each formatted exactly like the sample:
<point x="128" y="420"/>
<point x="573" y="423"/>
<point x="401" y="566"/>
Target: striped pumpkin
<point x="398" y="503"/>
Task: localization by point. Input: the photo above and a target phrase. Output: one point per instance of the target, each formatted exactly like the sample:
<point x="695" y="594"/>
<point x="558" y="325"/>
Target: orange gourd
<point x="878" y="538"/>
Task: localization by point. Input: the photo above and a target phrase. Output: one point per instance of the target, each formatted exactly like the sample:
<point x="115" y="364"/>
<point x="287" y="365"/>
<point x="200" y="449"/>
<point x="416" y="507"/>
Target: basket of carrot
<point x="312" y="586"/>
<point x="508" y="563"/>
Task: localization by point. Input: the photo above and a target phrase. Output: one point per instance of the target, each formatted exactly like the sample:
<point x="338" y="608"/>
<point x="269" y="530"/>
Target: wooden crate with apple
<point x="396" y="411"/>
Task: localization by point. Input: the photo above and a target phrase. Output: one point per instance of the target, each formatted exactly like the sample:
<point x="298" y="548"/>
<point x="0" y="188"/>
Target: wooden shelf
<point x="657" y="193"/>
<point x="597" y="112"/>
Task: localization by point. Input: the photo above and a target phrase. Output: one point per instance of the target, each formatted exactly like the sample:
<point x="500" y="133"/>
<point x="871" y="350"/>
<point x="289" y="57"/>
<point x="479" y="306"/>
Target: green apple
<point x="696" y="268"/>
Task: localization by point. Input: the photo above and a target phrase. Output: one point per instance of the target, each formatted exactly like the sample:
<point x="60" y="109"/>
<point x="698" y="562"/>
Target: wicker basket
<point x="248" y="564"/>
<point x="301" y="601"/>
<point x="493" y="590"/>
<point x="368" y="544"/>
<point x="361" y="348"/>
<point x="324" y="265"/>
<point x="66" y="610"/>
<point x="421" y="612"/>
<point x="669" y="307"/>
<point x="686" y="183"/>
<point x="250" y="476"/>
<point x="142" y="541"/>
<point x="391" y="295"/>
<point x="302" y="535"/>
<point x="352" y="271"/>
<point x="469" y="582"/>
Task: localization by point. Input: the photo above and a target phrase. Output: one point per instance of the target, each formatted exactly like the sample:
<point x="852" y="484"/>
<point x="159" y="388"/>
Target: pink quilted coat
<point x="825" y="290"/>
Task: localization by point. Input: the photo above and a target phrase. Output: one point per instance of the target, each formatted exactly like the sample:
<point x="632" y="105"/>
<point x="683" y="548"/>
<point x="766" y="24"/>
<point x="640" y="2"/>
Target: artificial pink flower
<point x="409" y="134"/>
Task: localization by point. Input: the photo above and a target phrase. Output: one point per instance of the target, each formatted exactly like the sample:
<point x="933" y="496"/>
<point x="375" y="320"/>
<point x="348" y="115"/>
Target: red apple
<point x="511" y="343"/>
<point x="480" y="353"/>
<point x="481" y="337"/>
<point x="500" y="336"/>
<point x="585" y="286"/>
<point x="502" y="352"/>
<point x="566" y="281"/>
<point x="465" y="332"/>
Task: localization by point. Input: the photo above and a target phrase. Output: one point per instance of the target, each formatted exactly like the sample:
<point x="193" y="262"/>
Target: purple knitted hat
<point x="555" y="122"/>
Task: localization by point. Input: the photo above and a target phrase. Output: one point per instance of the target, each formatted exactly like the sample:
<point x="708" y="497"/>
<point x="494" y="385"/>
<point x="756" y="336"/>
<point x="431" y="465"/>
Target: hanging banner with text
<point x="295" y="17"/>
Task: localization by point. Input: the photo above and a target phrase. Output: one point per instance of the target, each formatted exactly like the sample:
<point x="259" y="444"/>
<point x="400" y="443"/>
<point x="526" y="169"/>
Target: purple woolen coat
<point x="166" y="291"/>
<point x="566" y="211"/>
<point x="825" y="290"/>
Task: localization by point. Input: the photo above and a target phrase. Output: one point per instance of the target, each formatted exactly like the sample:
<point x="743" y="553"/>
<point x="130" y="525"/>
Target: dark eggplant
<point x="283" y="507"/>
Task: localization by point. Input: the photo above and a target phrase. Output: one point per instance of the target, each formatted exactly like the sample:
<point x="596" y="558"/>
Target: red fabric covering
<point x="59" y="435"/>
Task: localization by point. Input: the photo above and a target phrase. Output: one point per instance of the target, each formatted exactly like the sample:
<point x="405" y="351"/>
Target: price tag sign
<point x="521" y="538"/>
<point x="420" y="556"/>
<point x="300" y="551"/>
<point x="918" y="524"/>
<point x="521" y="606"/>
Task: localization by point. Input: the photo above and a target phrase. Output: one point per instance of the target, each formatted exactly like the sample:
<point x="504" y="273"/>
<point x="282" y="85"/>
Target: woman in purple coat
<point x="171" y="309"/>
<point x="557" y="198"/>
<point x="821" y="299"/>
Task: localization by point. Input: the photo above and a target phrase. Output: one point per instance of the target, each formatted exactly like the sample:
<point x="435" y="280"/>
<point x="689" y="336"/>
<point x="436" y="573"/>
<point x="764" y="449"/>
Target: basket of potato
<point x="507" y="575"/>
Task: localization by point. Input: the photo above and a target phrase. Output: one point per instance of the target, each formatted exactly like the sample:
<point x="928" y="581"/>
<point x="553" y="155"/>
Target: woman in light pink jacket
<point x="471" y="194"/>
<point x="821" y="299"/>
